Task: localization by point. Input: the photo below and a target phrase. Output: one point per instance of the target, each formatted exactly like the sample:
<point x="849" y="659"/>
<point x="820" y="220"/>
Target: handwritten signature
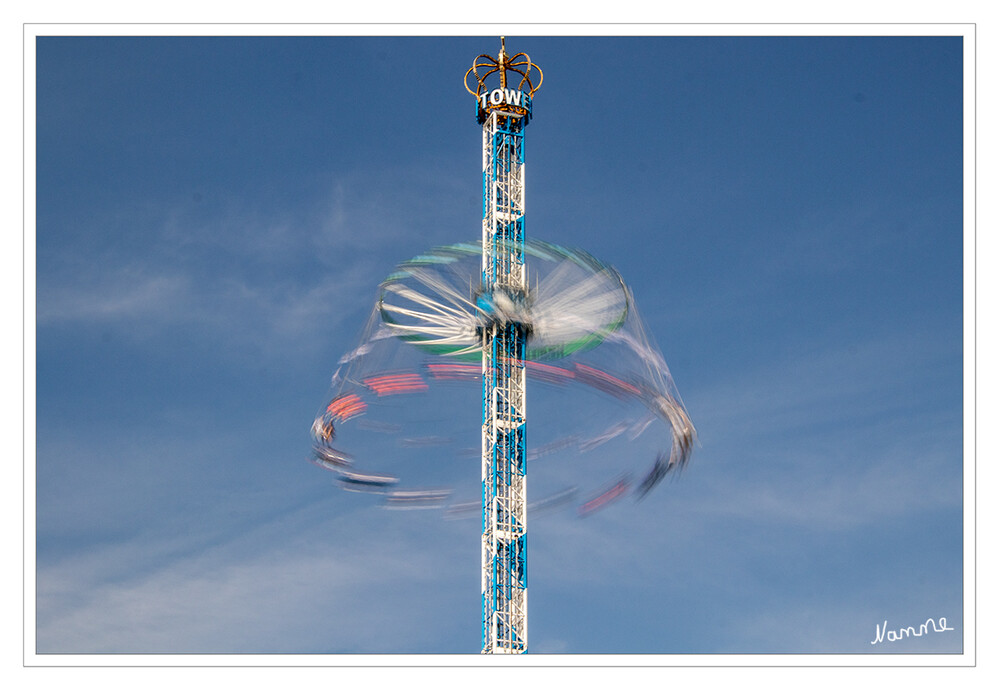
<point x="882" y="633"/>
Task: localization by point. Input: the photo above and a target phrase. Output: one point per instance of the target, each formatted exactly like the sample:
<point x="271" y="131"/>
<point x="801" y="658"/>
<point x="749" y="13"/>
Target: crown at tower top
<point x="511" y="100"/>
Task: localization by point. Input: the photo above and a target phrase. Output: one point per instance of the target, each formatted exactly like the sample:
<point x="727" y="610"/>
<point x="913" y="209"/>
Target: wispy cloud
<point x="307" y="582"/>
<point x="122" y="294"/>
<point x="272" y="276"/>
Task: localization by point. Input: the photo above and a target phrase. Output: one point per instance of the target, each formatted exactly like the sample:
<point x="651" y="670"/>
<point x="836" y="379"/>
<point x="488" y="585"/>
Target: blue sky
<point x="214" y="215"/>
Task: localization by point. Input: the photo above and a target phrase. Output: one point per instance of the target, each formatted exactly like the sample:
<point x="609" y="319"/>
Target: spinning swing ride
<point x="495" y="314"/>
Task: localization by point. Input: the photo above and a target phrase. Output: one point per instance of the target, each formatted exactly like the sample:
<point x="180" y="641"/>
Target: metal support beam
<point x="504" y="411"/>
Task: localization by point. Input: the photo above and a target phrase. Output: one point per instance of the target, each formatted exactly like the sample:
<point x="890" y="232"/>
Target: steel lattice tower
<point x="503" y="113"/>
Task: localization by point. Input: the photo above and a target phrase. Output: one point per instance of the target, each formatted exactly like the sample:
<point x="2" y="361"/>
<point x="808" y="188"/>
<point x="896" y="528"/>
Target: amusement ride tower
<point x="503" y="112"/>
<point x="462" y="302"/>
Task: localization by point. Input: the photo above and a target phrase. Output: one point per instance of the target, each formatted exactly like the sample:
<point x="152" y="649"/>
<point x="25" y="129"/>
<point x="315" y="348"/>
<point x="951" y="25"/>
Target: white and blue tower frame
<point x="503" y="112"/>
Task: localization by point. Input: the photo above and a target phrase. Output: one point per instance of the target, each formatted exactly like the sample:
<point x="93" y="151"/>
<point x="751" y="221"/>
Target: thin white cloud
<point x="249" y="313"/>
<point x="304" y="583"/>
<point x="256" y="278"/>
<point x="836" y="382"/>
<point x="115" y="295"/>
<point x="419" y="204"/>
<point x="818" y="497"/>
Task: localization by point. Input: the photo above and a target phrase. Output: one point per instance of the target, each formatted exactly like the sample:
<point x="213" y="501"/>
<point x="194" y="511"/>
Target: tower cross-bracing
<point x="503" y="113"/>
